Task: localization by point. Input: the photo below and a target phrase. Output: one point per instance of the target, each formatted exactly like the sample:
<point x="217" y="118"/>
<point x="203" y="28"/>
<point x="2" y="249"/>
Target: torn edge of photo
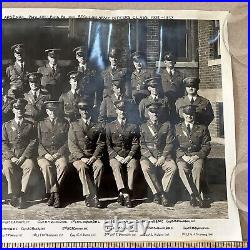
<point x="118" y="126"/>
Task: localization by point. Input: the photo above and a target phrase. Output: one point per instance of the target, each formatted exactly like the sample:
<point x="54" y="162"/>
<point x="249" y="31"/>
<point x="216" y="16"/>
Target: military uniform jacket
<point x="108" y="113"/>
<point x="172" y="86"/>
<point x="69" y="102"/>
<point x="14" y="72"/>
<point x="18" y="141"/>
<point x="197" y="143"/>
<point x="205" y="114"/>
<point x="164" y="113"/>
<point x="50" y="77"/>
<point x="91" y="85"/>
<point x="138" y="85"/>
<point x="107" y="76"/>
<point x="157" y="141"/>
<point x="122" y="141"/>
<point x="86" y="141"/>
<point x="53" y="139"/>
<point x="7" y="113"/>
<point x="35" y="108"/>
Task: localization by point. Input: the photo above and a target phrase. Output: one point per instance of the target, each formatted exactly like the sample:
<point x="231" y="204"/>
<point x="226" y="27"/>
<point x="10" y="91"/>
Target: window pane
<point x="174" y="37"/>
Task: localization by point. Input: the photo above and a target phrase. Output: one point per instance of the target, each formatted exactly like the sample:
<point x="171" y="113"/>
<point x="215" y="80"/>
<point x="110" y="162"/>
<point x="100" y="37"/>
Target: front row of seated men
<point x="155" y="146"/>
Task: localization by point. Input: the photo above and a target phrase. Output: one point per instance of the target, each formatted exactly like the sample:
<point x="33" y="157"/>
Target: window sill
<point x="214" y="62"/>
<point x="179" y="64"/>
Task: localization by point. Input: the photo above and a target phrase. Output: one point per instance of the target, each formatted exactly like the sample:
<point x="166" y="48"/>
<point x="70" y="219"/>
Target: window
<point x="216" y="39"/>
<point x="180" y="38"/>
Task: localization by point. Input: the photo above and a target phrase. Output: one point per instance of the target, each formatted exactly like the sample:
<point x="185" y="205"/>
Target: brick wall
<point x="152" y="42"/>
<point x="216" y="127"/>
<point x="210" y="76"/>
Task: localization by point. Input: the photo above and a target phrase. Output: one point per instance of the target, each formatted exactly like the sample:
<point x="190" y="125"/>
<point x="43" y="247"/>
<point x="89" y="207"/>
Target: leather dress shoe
<point x="128" y="202"/>
<point x="96" y="202"/>
<point x="21" y="203"/>
<point x="120" y="199"/>
<point x="157" y="198"/>
<point x="164" y="200"/>
<point x="51" y="199"/>
<point x="57" y="202"/>
<point x="88" y="201"/>
<point x="202" y="203"/>
<point x="193" y="201"/>
<point x="14" y="201"/>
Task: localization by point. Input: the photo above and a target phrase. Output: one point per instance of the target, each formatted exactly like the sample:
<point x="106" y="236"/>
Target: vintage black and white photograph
<point x="113" y="118"/>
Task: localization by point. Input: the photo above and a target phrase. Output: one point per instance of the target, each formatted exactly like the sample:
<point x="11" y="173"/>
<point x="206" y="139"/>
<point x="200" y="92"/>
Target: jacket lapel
<point x="18" y="68"/>
<point x="184" y="129"/>
<point x="197" y="100"/>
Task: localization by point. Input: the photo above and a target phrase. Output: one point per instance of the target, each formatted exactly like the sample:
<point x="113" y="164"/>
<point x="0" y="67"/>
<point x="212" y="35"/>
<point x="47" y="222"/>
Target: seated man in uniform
<point x="36" y="97"/>
<point x="155" y="96"/>
<point x="123" y="148"/>
<point x="139" y="87"/>
<point x="70" y="99"/>
<point x="107" y="109"/>
<point x="18" y="152"/>
<point x="193" y="146"/>
<point x="157" y="144"/>
<point x="53" y="151"/>
<point x="52" y="74"/>
<point x="86" y="140"/>
<point x="204" y="111"/>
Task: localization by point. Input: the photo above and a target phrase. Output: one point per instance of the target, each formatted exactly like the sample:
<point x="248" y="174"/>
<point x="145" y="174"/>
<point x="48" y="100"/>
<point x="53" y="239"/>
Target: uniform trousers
<point x="117" y="172"/>
<point x="17" y="176"/>
<point x="89" y="187"/>
<point x="192" y="175"/>
<point x="151" y="174"/>
<point x="53" y="173"/>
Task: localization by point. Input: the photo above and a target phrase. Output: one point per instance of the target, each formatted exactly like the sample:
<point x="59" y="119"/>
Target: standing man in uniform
<point x="70" y="99"/>
<point x="91" y="82"/>
<point x="108" y="109"/>
<point x="155" y="96"/>
<point x="52" y="74"/>
<point x="114" y="71"/>
<point x="36" y="98"/>
<point x="17" y="72"/>
<point x="204" y="111"/>
<point x="172" y="79"/>
<point x="18" y="148"/>
<point x="53" y="151"/>
<point x="123" y="148"/>
<point x="139" y="86"/>
<point x="193" y="146"/>
<point x="7" y="101"/>
<point x="157" y="145"/>
<point x="86" y="140"/>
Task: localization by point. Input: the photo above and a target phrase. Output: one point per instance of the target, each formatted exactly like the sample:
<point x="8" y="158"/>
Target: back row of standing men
<point x="144" y="97"/>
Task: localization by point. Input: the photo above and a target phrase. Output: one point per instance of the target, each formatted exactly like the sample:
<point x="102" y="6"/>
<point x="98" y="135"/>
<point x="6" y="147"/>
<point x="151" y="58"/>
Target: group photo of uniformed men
<point x="83" y="118"/>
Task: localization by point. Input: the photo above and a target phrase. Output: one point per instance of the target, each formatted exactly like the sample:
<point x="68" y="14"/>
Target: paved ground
<point x="78" y="210"/>
<point x="143" y="209"/>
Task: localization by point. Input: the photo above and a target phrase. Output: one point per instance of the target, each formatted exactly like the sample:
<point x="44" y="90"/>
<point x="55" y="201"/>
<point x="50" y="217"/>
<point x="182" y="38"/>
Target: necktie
<point x="192" y="100"/>
<point x="53" y="123"/>
<point x="35" y="96"/>
<point x="188" y="129"/>
<point x="22" y="67"/>
<point x="53" y="69"/>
